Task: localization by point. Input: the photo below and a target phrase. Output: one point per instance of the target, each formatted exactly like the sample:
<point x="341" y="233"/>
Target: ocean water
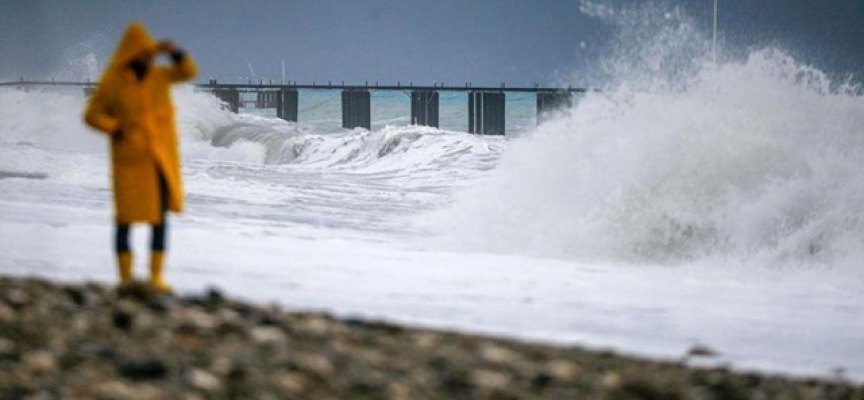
<point x="321" y="110"/>
<point x="685" y="203"/>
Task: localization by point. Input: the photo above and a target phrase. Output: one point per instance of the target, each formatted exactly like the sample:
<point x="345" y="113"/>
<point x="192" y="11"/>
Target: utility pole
<point x="714" y="36"/>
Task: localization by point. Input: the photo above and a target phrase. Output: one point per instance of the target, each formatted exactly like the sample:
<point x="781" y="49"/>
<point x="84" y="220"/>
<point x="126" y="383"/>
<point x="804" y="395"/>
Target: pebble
<point x="496" y="354"/>
<point x="267" y="335"/>
<point x="398" y="391"/>
<point x="611" y="380"/>
<point x="222" y="366"/>
<point x="16" y="298"/>
<point x="41" y="395"/>
<point x="372" y="357"/>
<point x="7" y="314"/>
<point x="426" y="341"/>
<point x="7" y="348"/>
<point x="490" y="380"/>
<point x="199" y="319"/>
<point x="292" y="382"/>
<point x="203" y="380"/>
<point x="80" y="324"/>
<point x="113" y="390"/>
<point x="39" y="362"/>
<point x="317" y="364"/>
<point x="315" y="325"/>
<point x="563" y="370"/>
<point x="188" y="341"/>
<point x="230" y="316"/>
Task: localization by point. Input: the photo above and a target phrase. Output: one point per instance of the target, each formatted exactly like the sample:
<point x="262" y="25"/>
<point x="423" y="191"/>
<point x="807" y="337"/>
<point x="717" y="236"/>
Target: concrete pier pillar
<point x="267" y="99"/>
<point x="230" y="96"/>
<point x="356" y="110"/>
<point x="550" y="102"/>
<point x="424" y="108"/>
<point x="286" y="104"/>
<point x="486" y="113"/>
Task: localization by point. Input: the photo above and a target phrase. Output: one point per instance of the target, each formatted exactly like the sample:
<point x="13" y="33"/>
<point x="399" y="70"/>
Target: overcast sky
<point x="451" y="41"/>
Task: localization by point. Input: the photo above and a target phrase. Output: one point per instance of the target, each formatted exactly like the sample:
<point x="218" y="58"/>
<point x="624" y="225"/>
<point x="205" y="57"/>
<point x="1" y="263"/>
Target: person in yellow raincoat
<point x="132" y="105"/>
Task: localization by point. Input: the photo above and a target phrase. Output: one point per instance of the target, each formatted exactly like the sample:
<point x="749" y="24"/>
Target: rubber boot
<point x="157" y="265"/>
<point x="124" y="267"/>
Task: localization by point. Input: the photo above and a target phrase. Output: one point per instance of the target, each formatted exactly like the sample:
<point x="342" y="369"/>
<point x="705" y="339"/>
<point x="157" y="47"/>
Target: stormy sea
<point x="683" y="202"/>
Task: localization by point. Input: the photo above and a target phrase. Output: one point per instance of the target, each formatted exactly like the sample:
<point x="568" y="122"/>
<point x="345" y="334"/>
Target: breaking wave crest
<point x="751" y="162"/>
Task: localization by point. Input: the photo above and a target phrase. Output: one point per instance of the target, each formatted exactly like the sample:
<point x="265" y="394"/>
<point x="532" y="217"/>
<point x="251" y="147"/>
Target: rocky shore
<point x="88" y="342"/>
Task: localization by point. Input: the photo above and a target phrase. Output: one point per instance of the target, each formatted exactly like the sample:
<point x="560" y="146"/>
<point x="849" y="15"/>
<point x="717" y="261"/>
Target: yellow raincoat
<point x="139" y="118"/>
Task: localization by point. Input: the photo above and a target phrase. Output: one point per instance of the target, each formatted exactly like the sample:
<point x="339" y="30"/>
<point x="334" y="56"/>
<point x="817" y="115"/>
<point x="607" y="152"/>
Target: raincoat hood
<point x="135" y="40"/>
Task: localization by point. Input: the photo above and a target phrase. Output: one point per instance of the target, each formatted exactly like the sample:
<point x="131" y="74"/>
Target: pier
<point x="486" y="104"/>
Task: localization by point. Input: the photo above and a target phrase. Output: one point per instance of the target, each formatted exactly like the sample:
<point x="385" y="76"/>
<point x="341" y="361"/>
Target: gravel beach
<point x="84" y="341"/>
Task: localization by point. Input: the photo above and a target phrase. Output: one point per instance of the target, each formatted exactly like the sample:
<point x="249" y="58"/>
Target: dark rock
<point x="645" y="391"/>
<point x="457" y="382"/>
<point x="383" y="327"/>
<point x="99" y="350"/>
<point x="606" y="353"/>
<point x="727" y="389"/>
<point x="368" y="390"/>
<point x="237" y="373"/>
<point x="136" y="291"/>
<point x="752" y="380"/>
<point x="76" y="295"/>
<point x="245" y="311"/>
<point x="70" y="360"/>
<point x="229" y="328"/>
<point x="187" y="328"/>
<point x="143" y="369"/>
<point x="267" y="318"/>
<point x="214" y="296"/>
<point x="356" y="322"/>
<point x="122" y="319"/>
<point x="17" y="391"/>
<point x="701" y="351"/>
<point x="542" y="380"/>
<point x="161" y="304"/>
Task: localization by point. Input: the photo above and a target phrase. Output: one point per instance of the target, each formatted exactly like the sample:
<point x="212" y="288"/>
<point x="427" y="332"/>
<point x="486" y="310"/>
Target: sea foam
<point x="754" y="161"/>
